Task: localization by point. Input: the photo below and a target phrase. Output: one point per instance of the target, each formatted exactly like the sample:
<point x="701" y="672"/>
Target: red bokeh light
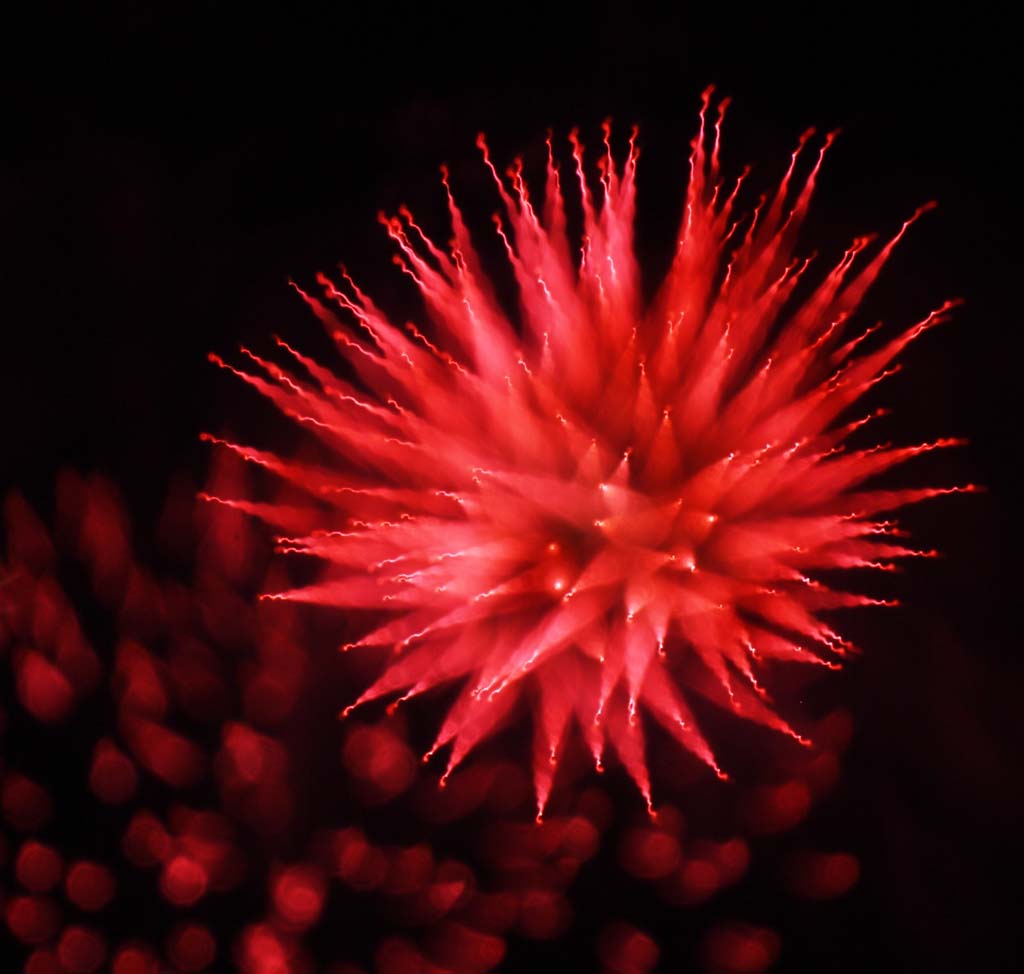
<point x="132" y="959"/>
<point x="112" y="777"/>
<point x="650" y="853"/>
<point x="38" y="867"/>
<point x="183" y="881"/>
<point x="381" y="759"/>
<point x="26" y="805"/>
<point x="298" y="894"/>
<point x="192" y="947"/>
<point x="821" y="876"/>
<point x="32" y="919"/>
<point x="90" y="886"/>
<point x="43" y="689"/>
<point x="43" y="961"/>
<point x="776" y="809"/>
<point x="624" y="949"/>
<point x="262" y="950"/>
<point x="146" y="842"/>
<point x="544" y="914"/>
<point x="739" y="948"/>
<point x="81" y="950"/>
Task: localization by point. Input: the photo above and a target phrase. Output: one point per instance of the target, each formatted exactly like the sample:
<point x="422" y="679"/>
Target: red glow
<point x="32" y="919"/>
<point x="649" y="853"/>
<point x="38" y="867"/>
<point x="583" y="506"/>
<point x="357" y="862"/>
<point x="135" y="960"/>
<point x="191" y="947"/>
<point x="146" y="841"/>
<point x="460" y="948"/>
<point x="626" y="950"/>
<point x="778" y="809"/>
<point x="26" y="805"/>
<point x="43" y="961"/>
<point x="263" y="951"/>
<point x="81" y="950"/>
<point x="740" y="948"/>
<point x="822" y="876"/>
<point x="544" y="914"/>
<point x="44" y="690"/>
<point x="163" y="752"/>
<point x="112" y="777"/>
<point x="298" y="894"/>
<point x="89" y="886"/>
<point x="183" y="881"/>
<point x="381" y="759"/>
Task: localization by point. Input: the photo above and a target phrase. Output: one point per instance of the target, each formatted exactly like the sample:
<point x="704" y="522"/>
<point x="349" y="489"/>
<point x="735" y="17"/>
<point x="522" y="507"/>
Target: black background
<point x="168" y="167"/>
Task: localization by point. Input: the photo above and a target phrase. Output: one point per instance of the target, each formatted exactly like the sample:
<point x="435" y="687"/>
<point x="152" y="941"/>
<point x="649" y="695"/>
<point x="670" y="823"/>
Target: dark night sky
<point x="168" y="167"/>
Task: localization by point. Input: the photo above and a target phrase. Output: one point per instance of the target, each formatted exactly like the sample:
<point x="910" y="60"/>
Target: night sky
<point x="168" y="168"/>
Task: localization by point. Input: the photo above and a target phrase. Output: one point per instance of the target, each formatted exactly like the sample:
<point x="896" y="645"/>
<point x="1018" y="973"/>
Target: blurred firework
<point x="175" y="793"/>
<point x="587" y="501"/>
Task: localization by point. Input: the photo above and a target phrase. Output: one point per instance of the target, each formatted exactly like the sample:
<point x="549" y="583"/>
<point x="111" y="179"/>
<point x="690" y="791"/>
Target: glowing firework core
<point x="570" y="508"/>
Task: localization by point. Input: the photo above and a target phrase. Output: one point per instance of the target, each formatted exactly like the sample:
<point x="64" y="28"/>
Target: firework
<point x="578" y="505"/>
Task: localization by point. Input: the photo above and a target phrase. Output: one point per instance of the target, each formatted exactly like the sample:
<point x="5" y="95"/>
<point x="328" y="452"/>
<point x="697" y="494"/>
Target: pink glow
<point x="572" y="509"/>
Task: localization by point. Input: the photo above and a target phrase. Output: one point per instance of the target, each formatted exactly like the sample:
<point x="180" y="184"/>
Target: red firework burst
<point x="573" y="507"/>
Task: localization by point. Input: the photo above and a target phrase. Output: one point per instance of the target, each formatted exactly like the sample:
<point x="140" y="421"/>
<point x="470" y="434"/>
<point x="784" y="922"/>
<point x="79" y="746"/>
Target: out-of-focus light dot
<point x="42" y="961"/>
<point x="410" y="870"/>
<point x="381" y="758"/>
<point x="248" y="757"/>
<point x="822" y="876"/>
<point x="43" y="689"/>
<point x="89" y="885"/>
<point x="397" y="956"/>
<point x="191" y="947"/>
<point x="698" y="880"/>
<point x="32" y="919"/>
<point x="459" y="948"/>
<point x="137" y="681"/>
<point x="260" y="950"/>
<point x="732" y="859"/>
<point x="298" y="896"/>
<point x="165" y="753"/>
<point x="649" y="853"/>
<point x="821" y="773"/>
<point x="452" y="883"/>
<point x="135" y="960"/>
<point x="580" y="839"/>
<point x="146" y="842"/>
<point x="112" y="777"/>
<point x="356" y="862"/>
<point x="38" y="867"/>
<point x="624" y="949"/>
<point x="740" y="948"/>
<point x="183" y="881"/>
<point x="544" y="914"/>
<point x="81" y="950"/>
<point x="26" y="805"/>
<point x="775" y="809"/>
